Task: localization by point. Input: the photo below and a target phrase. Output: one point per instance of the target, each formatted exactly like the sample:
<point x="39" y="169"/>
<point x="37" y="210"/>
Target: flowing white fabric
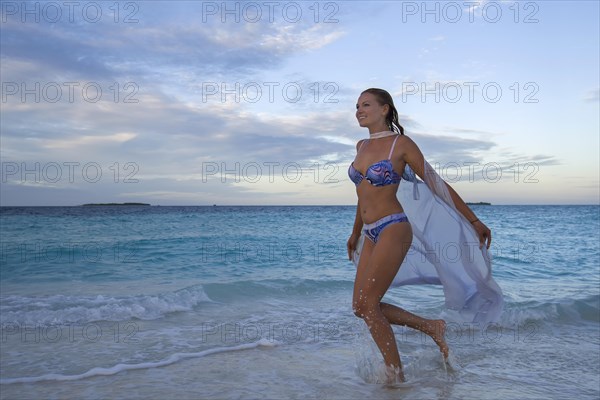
<point x="445" y="250"/>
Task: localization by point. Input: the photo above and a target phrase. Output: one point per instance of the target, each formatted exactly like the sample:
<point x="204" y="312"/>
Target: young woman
<point x="376" y="172"/>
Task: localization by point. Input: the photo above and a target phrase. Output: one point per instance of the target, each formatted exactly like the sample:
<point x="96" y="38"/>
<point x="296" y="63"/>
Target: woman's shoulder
<point x="406" y="141"/>
<point x="405" y="146"/>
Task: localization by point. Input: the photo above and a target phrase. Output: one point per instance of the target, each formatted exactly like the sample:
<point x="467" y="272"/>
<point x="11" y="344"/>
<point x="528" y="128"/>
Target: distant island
<point x="115" y="204"/>
<point x="480" y="203"/>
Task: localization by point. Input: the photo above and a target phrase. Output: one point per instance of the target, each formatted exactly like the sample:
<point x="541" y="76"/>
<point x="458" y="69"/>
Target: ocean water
<point x="255" y="302"/>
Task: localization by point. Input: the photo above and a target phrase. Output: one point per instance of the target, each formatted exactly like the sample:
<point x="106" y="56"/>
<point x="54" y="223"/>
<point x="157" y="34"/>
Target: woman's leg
<point x="378" y="265"/>
<point x="435" y="328"/>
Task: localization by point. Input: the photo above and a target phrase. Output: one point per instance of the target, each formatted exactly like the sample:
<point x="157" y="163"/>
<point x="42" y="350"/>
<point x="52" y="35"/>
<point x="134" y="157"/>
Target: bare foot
<point x="394" y="375"/>
<point x="437" y="334"/>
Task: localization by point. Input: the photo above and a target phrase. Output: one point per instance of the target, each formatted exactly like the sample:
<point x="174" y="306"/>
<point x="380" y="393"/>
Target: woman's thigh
<point x="379" y="263"/>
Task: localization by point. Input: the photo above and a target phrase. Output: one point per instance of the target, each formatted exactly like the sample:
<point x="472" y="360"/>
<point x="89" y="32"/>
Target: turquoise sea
<point x="255" y="302"/>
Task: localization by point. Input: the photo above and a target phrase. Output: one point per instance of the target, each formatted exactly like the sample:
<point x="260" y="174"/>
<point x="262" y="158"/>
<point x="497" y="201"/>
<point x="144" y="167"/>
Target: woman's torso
<point x="378" y="178"/>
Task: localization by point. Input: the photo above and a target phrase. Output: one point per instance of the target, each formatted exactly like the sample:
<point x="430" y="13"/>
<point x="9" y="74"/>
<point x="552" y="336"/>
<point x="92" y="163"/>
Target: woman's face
<point x="369" y="112"/>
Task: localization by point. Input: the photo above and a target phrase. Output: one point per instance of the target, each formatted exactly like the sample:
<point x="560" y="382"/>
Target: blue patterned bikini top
<point x="380" y="173"/>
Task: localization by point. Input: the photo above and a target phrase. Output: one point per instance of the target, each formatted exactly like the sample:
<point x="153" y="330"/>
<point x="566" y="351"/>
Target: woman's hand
<point x="483" y="232"/>
<point x="351" y="245"/>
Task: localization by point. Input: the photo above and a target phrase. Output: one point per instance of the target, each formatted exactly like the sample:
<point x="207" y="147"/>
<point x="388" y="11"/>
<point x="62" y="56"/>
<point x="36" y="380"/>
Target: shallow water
<point x="254" y="302"/>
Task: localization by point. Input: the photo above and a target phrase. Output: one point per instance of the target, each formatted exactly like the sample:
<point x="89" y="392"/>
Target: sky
<point x="253" y="103"/>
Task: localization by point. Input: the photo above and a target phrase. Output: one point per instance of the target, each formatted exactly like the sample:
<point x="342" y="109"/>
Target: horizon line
<point x="284" y="205"/>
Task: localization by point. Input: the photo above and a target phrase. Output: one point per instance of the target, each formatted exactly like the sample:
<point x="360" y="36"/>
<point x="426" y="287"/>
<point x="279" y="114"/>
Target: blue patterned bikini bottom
<point x="373" y="230"/>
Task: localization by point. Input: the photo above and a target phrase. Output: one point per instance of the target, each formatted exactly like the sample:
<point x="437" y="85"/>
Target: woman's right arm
<point x="356" y="230"/>
<point x="358" y="222"/>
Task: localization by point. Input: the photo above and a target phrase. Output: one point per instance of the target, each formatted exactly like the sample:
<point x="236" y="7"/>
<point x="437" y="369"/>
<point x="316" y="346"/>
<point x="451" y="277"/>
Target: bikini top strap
<point x="392" y="148"/>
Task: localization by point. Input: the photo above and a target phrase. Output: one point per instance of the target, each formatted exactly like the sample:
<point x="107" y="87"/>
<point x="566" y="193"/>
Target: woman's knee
<point x="357" y="310"/>
<point x="363" y="309"/>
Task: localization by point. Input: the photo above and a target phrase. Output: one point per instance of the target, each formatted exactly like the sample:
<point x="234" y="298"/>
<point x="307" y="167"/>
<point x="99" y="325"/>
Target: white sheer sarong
<point x="445" y="250"/>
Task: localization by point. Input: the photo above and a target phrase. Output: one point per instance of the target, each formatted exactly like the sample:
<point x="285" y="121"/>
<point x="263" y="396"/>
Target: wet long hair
<point x="391" y="119"/>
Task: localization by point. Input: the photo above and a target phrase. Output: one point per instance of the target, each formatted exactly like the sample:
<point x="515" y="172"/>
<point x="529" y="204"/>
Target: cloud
<point x="157" y="43"/>
<point x="172" y="145"/>
<point x="469" y="131"/>
<point x="289" y="37"/>
<point x="445" y="149"/>
<point x="592" y="96"/>
<point x="164" y="150"/>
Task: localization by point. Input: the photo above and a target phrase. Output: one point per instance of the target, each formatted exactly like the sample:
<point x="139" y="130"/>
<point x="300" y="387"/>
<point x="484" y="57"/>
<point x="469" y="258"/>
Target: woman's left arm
<point x="484" y="233"/>
<point x="411" y="154"/>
